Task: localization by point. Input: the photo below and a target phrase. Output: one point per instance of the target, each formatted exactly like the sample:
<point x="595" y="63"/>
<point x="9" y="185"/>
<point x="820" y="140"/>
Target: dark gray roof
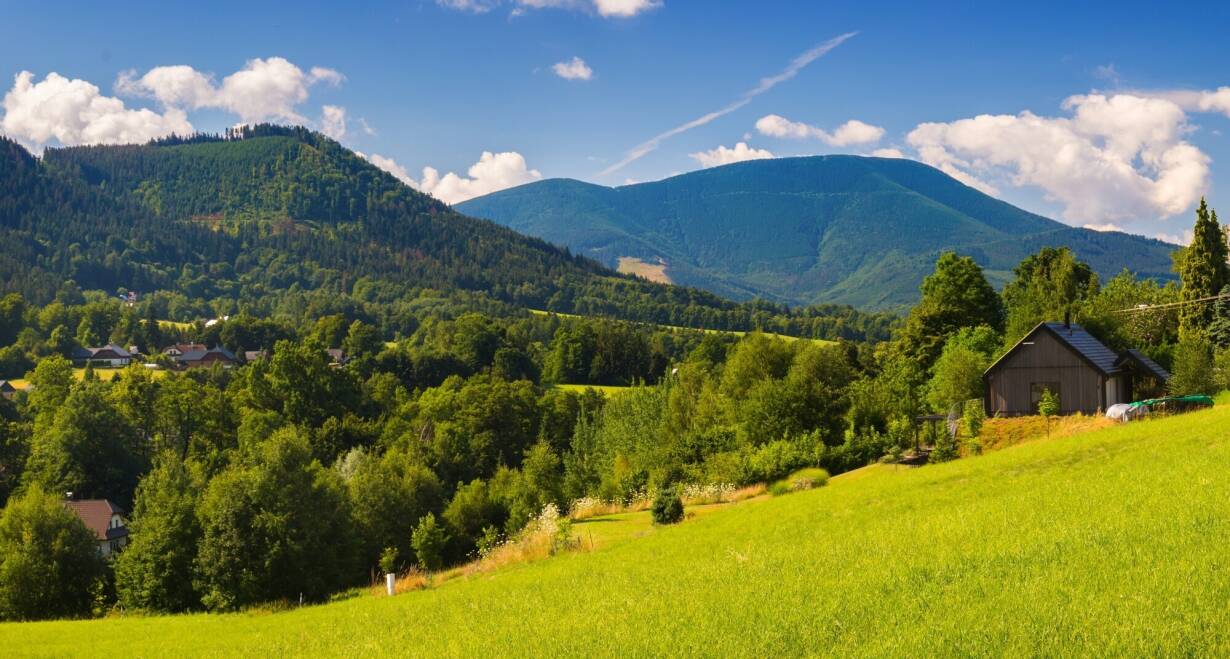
<point x="5" y="385"/>
<point x="1146" y="365"/>
<point x="1082" y="342"/>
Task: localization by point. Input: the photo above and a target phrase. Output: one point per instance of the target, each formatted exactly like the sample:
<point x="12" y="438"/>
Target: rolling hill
<point x="834" y="229"/>
<point x="1110" y="542"/>
<point x="282" y="220"/>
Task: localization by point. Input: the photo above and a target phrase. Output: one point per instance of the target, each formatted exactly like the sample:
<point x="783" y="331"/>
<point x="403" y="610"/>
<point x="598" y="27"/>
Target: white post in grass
<point x="390" y="581"/>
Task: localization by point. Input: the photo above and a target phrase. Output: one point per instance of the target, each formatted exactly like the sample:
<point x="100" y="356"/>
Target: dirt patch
<point x="630" y="265"/>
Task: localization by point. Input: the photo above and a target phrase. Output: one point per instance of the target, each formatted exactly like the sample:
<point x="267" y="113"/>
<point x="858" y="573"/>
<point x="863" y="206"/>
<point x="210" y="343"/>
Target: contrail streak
<point x="796" y="65"/>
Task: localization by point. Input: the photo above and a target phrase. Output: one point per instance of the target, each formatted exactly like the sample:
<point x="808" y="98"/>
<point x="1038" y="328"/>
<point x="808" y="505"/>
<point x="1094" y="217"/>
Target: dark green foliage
<point x="278" y="528"/>
<point x="49" y="563"/>
<point x="1203" y="269"/>
<point x="956" y="295"/>
<point x="89" y="448"/>
<point x="1193" y="366"/>
<point x="388" y="496"/>
<point x="155" y="571"/>
<point x="861" y="231"/>
<point x="667" y="507"/>
<point x="1049" y="286"/>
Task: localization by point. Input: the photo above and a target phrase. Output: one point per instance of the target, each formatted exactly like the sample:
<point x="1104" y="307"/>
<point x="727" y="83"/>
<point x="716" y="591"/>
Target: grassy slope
<point x="1110" y="542"/>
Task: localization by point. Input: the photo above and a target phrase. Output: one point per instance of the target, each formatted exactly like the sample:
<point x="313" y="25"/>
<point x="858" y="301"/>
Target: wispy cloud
<point x="765" y="84"/>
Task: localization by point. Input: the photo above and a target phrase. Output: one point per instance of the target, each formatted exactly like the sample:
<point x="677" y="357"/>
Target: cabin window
<point x="1036" y="389"/>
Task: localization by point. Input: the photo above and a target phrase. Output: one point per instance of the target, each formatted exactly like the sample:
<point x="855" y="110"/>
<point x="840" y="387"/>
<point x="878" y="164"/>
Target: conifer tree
<point x="1203" y="270"/>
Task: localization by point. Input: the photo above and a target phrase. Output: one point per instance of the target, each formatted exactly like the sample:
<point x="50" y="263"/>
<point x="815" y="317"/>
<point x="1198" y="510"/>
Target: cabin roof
<point x="1146" y="365"/>
<point x="1078" y="340"/>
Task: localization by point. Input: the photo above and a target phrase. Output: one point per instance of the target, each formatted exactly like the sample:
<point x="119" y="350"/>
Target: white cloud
<point x="1117" y="157"/>
<point x="850" y="133"/>
<point x="492" y="172"/>
<point x="76" y="112"/>
<point x="1173" y="239"/>
<point x="604" y="8"/>
<point x="797" y="64"/>
<point x="1108" y="226"/>
<point x="1215" y="100"/>
<point x="574" y="69"/>
<point x="333" y="121"/>
<point x="724" y="156"/>
<point x="624" y="8"/>
<point x="389" y="165"/>
<point x="264" y="90"/>
<point x="367" y="129"/>
<point x="888" y="153"/>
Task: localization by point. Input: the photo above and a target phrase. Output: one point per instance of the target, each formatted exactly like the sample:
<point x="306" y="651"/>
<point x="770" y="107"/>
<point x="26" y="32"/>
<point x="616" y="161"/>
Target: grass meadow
<point x="1107" y="542"/>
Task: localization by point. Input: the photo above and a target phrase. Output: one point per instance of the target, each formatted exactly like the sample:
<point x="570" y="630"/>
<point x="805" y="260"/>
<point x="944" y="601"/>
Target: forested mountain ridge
<point x="286" y="222"/>
<point x="839" y="229"/>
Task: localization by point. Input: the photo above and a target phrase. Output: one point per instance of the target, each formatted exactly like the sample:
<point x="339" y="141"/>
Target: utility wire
<point x="1173" y="305"/>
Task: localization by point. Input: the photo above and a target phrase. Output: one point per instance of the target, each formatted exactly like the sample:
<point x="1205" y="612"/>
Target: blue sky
<point x="1126" y="125"/>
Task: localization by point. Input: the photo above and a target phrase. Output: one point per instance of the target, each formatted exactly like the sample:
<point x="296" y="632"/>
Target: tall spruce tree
<point x="1203" y="269"/>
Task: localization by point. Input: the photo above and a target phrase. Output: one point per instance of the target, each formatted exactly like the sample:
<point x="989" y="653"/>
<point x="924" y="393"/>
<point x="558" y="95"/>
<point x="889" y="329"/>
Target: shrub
<point x="388" y="560"/>
<point x="429" y="540"/>
<point x="49" y="564"/>
<point x="667" y="507"/>
<point x="779" y="488"/>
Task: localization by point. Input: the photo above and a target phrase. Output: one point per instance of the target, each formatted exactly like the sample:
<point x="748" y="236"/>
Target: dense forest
<point x="284" y="222"/>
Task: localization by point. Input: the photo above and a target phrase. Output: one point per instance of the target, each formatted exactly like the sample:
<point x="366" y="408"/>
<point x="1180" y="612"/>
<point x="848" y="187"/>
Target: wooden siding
<point x="1082" y="388"/>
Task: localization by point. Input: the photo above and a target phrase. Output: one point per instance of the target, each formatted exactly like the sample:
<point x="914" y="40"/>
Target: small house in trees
<point x="7" y="390"/>
<point x="1067" y="360"/>
<point x="207" y="358"/>
<point x="108" y="355"/>
<point x="179" y="349"/>
<point x="104" y="519"/>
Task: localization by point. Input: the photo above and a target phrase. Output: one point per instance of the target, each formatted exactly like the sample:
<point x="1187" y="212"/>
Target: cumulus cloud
<point x="76" y="112"/>
<point x="1214" y="100"/>
<point x="888" y="153"/>
<point x="848" y="134"/>
<point x="264" y="90"/>
<point x="574" y="69"/>
<point x="724" y="156"/>
<point x="492" y="172"/>
<point x="624" y="8"/>
<point x="333" y="121"/>
<point x="604" y="8"/>
<point x="1116" y="157"/>
<point x="389" y="165"/>
<point x="1108" y="226"/>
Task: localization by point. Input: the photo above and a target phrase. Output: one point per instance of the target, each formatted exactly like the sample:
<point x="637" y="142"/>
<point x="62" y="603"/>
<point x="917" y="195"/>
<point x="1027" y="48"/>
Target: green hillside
<point x="1110" y="543"/>
<point x="842" y="229"/>
<point x="286" y="222"/>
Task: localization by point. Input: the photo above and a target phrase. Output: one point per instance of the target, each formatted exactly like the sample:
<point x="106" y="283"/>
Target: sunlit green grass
<point x="606" y="390"/>
<point x="1114" y="542"/>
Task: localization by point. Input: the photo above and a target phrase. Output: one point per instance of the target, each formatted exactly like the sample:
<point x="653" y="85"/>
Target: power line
<point x="1173" y="305"/>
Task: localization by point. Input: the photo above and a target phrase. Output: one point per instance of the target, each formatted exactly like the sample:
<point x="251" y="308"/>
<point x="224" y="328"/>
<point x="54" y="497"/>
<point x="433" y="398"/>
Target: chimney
<point x="1067" y="320"/>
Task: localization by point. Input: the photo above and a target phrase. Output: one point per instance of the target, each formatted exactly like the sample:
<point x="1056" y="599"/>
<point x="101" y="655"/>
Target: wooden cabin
<point x="1087" y="376"/>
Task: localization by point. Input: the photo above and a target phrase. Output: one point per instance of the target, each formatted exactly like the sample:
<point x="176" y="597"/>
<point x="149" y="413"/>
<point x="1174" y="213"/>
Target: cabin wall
<point x="1047" y="360"/>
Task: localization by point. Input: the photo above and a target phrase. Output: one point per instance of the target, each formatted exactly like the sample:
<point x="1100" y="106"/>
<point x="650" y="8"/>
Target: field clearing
<point x="630" y="265"/>
<point x="1110" y="542"/>
<point x="604" y="389"/>
<point x="102" y="373"/>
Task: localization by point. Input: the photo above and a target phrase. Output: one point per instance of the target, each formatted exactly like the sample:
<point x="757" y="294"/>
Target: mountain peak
<point x="832" y="228"/>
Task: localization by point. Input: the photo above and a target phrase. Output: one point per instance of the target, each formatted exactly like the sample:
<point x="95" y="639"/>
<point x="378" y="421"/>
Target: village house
<point x="1067" y="360"/>
<point x="7" y="390"/>
<point x="206" y="358"/>
<point x="180" y="348"/>
<point x="104" y="519"/>
<point x="108" y="355"/>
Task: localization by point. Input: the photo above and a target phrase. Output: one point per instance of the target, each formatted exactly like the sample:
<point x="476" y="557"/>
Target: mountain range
<point x="836" y="229"/>
<point x="283" y="221"/>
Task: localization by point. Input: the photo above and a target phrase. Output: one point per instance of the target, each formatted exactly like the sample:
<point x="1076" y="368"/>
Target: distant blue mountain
<point x="843" y="229"/>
